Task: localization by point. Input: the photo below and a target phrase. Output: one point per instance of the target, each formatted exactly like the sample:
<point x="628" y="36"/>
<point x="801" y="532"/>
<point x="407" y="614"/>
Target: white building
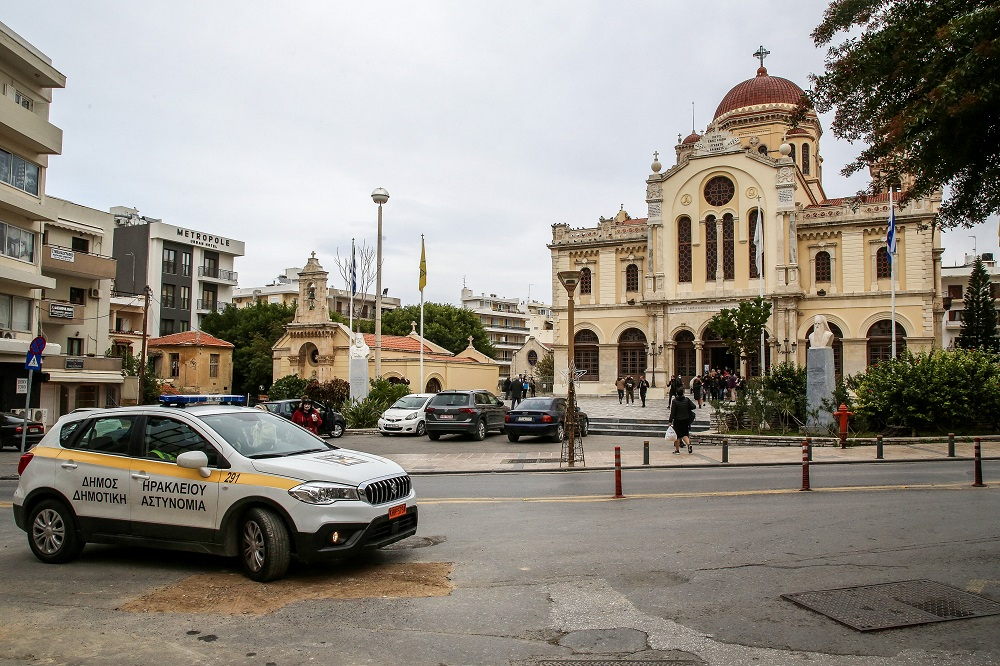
<point x="509" y="322"/>
<point x="954" y="284"/>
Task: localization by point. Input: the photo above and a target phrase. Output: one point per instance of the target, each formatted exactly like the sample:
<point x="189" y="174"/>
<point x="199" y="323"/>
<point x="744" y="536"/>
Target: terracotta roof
<point x="637" y="220"/>
<point x="396" y="343"/>
<point x="797" y="131"/>
<point x="882" y="197"/>
<point x="762" y="89"/>
<point x="693" y="137"/>
<point x="190" y="339"/>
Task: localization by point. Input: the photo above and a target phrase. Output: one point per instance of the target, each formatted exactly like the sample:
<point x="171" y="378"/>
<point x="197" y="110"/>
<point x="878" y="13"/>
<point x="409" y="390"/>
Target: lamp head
<point x="380" y="195"/>
<point x="569" y="279"/>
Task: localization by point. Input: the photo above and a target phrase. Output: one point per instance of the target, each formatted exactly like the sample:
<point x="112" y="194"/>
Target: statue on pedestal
<point x="358" y="365"/>
<point x="821" y="336"/>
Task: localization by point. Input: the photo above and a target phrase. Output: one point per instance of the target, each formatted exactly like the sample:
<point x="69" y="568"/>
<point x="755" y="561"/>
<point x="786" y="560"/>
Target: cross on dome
<point x="761" y="54"/>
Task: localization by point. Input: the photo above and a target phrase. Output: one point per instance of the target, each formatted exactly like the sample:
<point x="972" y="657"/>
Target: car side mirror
<point x="195" y="460"/>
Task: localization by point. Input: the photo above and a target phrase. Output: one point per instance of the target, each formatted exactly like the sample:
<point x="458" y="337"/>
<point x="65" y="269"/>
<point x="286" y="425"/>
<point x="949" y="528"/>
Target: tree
<point x="288" y="387"/>
<point x="363" y="276"/>
<point x="253" y="330"/>
<point x="741" y="328"/>
<point x="152" y="385"/>
<point x="979" y="317"/>
<point x="444" y="324"/>
<point x="918" y="85"/>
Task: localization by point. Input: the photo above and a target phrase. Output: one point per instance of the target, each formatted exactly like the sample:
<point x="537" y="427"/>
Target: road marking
<point x="732" y="493"/>
<point x="6" y="505"/>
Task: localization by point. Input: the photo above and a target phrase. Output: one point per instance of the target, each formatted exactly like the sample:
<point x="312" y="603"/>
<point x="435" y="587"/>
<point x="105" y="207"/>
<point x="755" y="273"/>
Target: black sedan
<point x="542" y="417"/>
<point x="11" y="427"/>
<point x="333" y="424"/>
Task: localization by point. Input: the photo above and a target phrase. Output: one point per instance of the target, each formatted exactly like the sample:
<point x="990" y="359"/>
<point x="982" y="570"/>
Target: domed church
<point x="650" y="285"/>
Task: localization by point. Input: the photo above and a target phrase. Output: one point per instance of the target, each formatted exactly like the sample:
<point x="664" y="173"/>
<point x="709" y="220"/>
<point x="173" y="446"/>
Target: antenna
<point x="692" y="118"/>
<point x="975" y="252"/>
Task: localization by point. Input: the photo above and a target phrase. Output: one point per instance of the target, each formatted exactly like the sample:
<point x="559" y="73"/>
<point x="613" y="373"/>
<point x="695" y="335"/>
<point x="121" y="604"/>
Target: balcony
<point x="210" y="306"/>
<point x="29" y="129"/>
<point x="65" y="261"/>
<point x="61" y="313"/>
<point x="218" y="274"/>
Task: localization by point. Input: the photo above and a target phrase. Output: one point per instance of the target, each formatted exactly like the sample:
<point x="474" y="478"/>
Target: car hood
<point x="394" y="413"/>
<point x="339" y="466"/>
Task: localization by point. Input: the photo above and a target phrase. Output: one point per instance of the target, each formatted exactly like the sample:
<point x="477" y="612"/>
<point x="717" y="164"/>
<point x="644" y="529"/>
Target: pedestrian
<point x="516" y="389"/>
<point x="532" y="385"/>
<point x="676" y="386"/>
<point x="698" y="391"/>
<point x="620" y="385"/>
<point x="731" y="386"/>
<point x="643" y="385"/>
<point x="526" y="386"/>
<point x="629" y="390"/>
<point x="681" y="416"/>
<point x="306" y="416"/>
<point x="506" y="388"/>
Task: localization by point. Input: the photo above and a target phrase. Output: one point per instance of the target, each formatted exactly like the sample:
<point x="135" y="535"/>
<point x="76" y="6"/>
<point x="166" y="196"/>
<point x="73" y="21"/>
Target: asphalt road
<point x="691" y="564"/>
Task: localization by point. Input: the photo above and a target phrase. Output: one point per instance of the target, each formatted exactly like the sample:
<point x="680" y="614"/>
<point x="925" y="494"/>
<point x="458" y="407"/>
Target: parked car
<point x="406" y="416"/>
<point x="466" y="412"/>
<point x="542" y="417"/>
<point x="11" y="428"/>
<point x="333" y="424"/>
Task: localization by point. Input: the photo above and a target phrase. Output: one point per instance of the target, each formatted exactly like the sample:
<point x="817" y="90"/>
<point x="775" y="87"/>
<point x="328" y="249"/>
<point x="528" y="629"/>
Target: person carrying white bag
<point x="681" y="416"/>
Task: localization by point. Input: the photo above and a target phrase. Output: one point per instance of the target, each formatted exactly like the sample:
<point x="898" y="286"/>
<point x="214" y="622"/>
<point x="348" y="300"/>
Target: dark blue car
<point x="542" y="417"/>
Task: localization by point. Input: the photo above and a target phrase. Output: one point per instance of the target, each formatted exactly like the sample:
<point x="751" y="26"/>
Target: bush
<point x="334" y="392"/>
<point x="288" y="387"/>
<point x="785" y="388"/>
<point x="365" y="413"/>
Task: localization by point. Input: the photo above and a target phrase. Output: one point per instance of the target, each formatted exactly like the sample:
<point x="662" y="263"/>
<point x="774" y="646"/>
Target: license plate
<point x="397" y="511"/>
<point x="446" y="417"/>
<point x="524" y="418"/>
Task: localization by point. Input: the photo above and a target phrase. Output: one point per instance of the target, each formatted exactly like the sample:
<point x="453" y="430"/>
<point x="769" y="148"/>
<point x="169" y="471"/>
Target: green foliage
<point x="288" y="387"/>
<point x="915" y="81"/>
<point x="544" y="370"/>
<point x="741" y="328"/>
<point x="365" y="413"/>
<point x="334" y="392"/>
<point x="786" y="387"/>
<point x="253" y="330"/>
<point x="979" y="316"/>
<point x="444" y="324"/>
<point x="943" y="391"/>
<point x="151" y="384"/>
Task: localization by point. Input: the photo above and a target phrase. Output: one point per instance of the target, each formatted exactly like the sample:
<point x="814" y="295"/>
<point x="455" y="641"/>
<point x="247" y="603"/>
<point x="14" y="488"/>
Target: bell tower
<point x="313" y="306"/>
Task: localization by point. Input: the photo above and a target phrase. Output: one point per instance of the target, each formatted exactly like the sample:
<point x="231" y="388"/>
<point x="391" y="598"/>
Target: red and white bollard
<point x="978" y="482"/>
<point x="805" y="466"/>
<point x="618" y="473"/>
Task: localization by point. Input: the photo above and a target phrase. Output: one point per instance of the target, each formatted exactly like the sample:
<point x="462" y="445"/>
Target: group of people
<point x="626" y="389"/>
<point x="516" y="388"/>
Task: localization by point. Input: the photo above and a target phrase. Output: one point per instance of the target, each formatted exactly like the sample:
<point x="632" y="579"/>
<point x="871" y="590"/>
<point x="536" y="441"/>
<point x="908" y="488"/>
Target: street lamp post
<point x="379" y="196"/>
<point x="570" y="279"/>
<point x="786" y="349"/>
<point x="653" y="350"/>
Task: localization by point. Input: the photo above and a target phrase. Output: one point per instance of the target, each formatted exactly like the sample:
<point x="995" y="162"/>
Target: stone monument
<point x="820" y="377"/>
<point x="359" y="353"/>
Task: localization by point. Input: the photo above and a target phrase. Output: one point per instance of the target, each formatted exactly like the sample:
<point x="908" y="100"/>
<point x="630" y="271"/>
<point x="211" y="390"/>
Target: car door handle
<point x="140" y="475"/>
<point x="69" y="464"/>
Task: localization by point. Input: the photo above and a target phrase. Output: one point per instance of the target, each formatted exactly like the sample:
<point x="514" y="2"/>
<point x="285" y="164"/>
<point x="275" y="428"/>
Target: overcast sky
<point x="486" y="122"/>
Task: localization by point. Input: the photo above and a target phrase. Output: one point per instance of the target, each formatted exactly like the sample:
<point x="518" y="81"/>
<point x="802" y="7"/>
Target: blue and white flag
<point x="890" y="236"/>
<point x="354" y="271"/>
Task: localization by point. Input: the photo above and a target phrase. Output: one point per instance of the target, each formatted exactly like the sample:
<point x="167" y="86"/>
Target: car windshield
<point x="535" y="403"/>
<point x="410" y="402"/>
<point x="260" y="434"/>
<point x="450" y="400"/>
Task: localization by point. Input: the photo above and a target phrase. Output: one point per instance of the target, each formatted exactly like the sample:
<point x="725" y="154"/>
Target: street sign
<point x="37" y="346"/>
<point x="22" y="385"/>
<point x="33" y="362"/>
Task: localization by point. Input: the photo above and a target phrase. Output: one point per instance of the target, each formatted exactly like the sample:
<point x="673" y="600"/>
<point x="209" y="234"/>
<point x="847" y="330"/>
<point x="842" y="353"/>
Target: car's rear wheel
<point x="558" y="435"/>
<point x="421" y="428"/>
<point x="265" y="547"/>
<point x="52" y="532"/>
<point x="435" y="436"/>
<point x="511" y="437"/>
<point x="584" y="428"/>
<point x="480" y="433"/>
<point x="337" y="430"/>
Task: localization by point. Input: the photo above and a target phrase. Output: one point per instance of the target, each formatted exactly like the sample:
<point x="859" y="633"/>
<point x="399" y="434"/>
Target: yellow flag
<point x="423" y="265"/>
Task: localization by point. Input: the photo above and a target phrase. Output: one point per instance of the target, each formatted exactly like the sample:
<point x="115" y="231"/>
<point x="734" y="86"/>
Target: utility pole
<point x="142" y="357"/>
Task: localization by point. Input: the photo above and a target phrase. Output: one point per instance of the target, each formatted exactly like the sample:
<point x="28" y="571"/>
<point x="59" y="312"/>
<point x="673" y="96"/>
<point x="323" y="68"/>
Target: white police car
<point x="219" y="479"/>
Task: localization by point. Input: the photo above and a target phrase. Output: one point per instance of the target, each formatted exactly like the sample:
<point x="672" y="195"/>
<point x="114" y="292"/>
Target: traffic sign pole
<point x="35" y="350"/>
<point x="27" y="410"/>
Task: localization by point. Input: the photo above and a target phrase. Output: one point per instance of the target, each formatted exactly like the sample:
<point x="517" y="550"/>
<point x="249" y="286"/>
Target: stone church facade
<point x="649" y="286"/>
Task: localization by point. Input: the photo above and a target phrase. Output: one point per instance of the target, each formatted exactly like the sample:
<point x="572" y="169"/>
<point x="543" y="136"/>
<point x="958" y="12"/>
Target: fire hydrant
<point x="843" y="415"/>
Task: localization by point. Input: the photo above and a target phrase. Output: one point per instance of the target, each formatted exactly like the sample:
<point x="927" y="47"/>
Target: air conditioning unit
<point x="95" y="292"/>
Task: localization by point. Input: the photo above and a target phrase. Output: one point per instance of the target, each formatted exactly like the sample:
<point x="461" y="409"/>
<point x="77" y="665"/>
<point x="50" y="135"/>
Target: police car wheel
<point x="264" y="546"/>
<point x="337" y="430"/>
<point x="421" y="428"/>
<point x="52" y="533"/>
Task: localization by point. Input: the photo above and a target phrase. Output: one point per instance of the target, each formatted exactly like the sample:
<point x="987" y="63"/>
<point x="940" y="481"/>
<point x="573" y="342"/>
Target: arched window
<point x="684" y="249"/>
<point x="792" y="154"/>
<point x="880" y="341"/>
<point x="823" y="272"/>
<point x="752" y="234"/>
<point x="586" y="282"/>
<point x="711" y="249"/>
<point x="532" y="358"/>
<point x="883" y="269"/>
<point x="632" y="353"/>
<point x="838" y="348"/>
<point x="728" y="247"/>
<point x="631" y="278"/>
<point x="586" y="355"/>
<point x="719" y="191"/>
<point x="805" y="158"/>
<point x="685" y="357"/>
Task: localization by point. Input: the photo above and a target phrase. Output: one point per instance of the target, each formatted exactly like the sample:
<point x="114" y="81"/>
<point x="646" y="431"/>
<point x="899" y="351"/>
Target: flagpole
<point x="423" y="283"/>
<point x="892" y="268"/>
<point x="350" y="306"/>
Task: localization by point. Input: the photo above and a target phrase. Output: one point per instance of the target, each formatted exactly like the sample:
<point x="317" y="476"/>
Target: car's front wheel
<point x="52" y="532"/>
<point x="480" y="433"/>
<point x="337" y="430"/>
<point x="265" y="547"/>
<point x="421" y="428"/>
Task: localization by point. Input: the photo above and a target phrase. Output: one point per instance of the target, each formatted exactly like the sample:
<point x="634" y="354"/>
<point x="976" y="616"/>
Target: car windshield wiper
<point x="297" y="453"/>
<point x="261" y="456"/>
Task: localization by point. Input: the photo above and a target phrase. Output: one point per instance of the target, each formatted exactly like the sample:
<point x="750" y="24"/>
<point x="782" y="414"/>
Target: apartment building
<point x="954" y="284"/>
<point x="27" y="139"/>
<point x="285" y="289"/>
<point x="189" y="271"/>
<point x="509" y="323"/>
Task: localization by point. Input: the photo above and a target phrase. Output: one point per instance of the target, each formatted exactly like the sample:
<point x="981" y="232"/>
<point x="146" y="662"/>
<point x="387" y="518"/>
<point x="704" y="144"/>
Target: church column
<point x="669" y="349"/>
<point x="699" y="355"/>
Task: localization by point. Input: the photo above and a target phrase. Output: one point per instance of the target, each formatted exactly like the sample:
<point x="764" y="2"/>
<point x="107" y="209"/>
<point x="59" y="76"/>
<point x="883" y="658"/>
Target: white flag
<point x="758" y="241"/>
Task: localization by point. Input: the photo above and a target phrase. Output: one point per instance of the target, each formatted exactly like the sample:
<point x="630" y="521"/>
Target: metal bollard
<point x="878" y="448"/>
<point x="805" y="466"/>
<point x="645" y="452"/>
<point x="979" y="467"/>
<point x="725" y="450"/>
<point x="951" y="445"/>
<point x="618" y="472"/>
<point x="809" y="443"/>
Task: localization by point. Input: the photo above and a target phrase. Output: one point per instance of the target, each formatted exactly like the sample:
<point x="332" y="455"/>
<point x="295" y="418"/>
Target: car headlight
<point x="322" y="492"/>
<point x="411" y="416"/>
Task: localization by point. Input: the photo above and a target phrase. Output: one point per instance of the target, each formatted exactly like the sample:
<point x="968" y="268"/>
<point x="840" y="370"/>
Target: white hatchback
<point x="219" y="479"/>
<point x="406" y="416"/>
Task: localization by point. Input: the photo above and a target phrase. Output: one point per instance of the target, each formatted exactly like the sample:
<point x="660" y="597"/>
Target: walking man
<point x="516" y="389"/>
<point x="643" y="385"/>
<point x="629" y="390"/>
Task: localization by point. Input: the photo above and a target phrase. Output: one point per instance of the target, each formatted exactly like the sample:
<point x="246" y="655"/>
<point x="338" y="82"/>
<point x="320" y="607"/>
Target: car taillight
<point x="506" y="417"/>
<point x="546" y="418"/>
<point x="18" y="430"/>
<point x="429" y="410"/>
<point x="466" y="410"/>
<point x="23" y="462"/>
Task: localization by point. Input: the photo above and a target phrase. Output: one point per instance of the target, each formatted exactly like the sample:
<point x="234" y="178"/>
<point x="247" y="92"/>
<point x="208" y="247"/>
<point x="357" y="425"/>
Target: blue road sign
<point x="37" y="346"/>
<point x="33" y="362"/>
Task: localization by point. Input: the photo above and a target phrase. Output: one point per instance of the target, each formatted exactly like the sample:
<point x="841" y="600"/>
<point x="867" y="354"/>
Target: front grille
<point x="387" y="490"/>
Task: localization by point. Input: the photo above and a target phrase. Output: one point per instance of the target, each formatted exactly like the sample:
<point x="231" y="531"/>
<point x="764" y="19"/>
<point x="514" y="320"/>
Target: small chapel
<point x="649" y="286"/>
<point x="315" y="347"/>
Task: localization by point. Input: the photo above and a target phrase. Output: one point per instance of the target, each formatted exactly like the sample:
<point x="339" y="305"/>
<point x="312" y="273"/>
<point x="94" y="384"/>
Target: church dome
<point x="762" y="89"/>
<point x="691" y="139"/>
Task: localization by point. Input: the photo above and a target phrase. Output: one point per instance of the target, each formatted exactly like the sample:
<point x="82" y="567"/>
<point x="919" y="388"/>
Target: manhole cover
<point x="890" y="605"/>
<point x="516" y="461"/>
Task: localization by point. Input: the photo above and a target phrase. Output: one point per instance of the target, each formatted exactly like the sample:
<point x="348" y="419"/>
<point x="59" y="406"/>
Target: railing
<point x="218" y="274"/>
<point x="211" y="306"/>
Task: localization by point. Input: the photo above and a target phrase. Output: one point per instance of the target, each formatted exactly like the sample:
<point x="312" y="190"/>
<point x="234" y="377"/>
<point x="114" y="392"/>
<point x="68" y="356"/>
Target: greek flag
<point x="890" y="236"/>
<point x="354" y="271"/>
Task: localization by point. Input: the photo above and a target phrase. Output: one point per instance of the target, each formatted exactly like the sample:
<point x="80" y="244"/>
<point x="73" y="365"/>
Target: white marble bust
<point x="360" y="349"/>
<point x="821" y="336"/>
